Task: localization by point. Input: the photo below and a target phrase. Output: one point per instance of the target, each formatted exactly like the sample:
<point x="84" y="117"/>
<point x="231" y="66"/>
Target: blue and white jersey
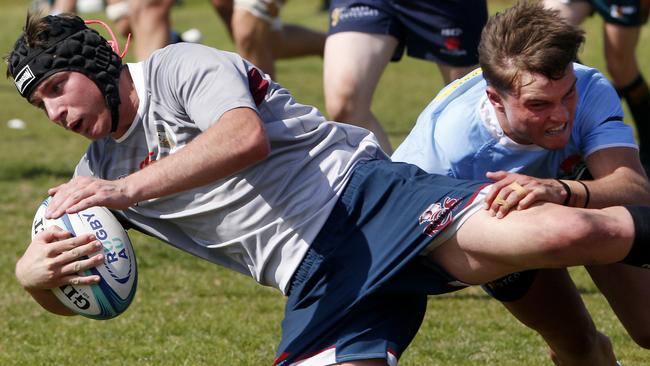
<point x="458" y="134"/>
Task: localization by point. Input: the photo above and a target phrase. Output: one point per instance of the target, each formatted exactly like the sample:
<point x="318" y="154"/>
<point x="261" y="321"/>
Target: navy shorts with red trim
<point x="361" y="290"/>
<point x="446" y="32"/>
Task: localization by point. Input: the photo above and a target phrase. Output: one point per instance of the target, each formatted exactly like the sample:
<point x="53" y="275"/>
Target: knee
<point x="249" y="32"/>
<point x="340" y="109"/>
<point x="344" y="101"/>
<point x="246" y="38"/>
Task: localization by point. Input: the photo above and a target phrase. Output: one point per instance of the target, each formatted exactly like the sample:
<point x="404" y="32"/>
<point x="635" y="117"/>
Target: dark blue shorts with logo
<point x="629" y="13"/>
<point x="361" y="290"/>
<point x="446" y="32"/>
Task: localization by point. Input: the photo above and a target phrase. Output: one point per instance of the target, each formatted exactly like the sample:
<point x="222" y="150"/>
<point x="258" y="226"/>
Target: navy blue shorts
<point x="361" y="290"/>
<point x="446" y="32"/>
<point x="622" y="12"/>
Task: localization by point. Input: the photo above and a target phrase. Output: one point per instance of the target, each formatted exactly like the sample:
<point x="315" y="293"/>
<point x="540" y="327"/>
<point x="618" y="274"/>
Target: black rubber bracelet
<point x="587" y="193"/>
<point x="567" y="189"/>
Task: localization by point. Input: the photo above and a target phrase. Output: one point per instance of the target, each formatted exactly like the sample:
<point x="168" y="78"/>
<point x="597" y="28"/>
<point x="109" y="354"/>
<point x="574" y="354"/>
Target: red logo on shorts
<point x="438" y="216"/>
<point x="452" y="43"/>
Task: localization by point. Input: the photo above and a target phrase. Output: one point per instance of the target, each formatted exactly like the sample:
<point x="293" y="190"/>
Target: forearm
<point x="236" y="142"/>
<point x="49" y="302"/>
<point x="622" y="186"/>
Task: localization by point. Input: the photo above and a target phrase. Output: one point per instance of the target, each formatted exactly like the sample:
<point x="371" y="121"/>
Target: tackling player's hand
<point x="517" y="191"/>
<point x="83" y="192"/>
<point x="52" y="260"/>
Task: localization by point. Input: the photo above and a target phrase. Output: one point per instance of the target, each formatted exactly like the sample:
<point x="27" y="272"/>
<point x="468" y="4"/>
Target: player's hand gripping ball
<point x="119" y="277"/>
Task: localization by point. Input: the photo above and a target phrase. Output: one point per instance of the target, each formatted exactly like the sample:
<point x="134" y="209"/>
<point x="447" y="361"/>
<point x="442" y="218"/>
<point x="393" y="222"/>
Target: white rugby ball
<point x="119" y="276"/>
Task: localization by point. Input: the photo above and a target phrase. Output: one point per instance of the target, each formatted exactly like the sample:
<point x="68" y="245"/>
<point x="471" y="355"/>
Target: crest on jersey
<point x="438" y="216"/>
<point x="166" y="138"/>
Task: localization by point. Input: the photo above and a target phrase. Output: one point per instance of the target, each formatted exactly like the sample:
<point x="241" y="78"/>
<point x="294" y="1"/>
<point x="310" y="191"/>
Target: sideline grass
<point x="190" y="312"/>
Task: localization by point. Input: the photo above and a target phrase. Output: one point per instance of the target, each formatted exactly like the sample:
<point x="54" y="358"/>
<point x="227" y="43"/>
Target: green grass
<point x="190" y="312"/>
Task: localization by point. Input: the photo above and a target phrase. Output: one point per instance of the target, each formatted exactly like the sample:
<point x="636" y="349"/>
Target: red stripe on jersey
<point x="257" y="85"/>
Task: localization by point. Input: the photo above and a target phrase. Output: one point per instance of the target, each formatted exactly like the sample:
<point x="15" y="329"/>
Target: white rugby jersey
<point x="259" y="221"/>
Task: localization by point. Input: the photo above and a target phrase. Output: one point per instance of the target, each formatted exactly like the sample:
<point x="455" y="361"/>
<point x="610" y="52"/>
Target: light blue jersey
<point x="458" y="135"/>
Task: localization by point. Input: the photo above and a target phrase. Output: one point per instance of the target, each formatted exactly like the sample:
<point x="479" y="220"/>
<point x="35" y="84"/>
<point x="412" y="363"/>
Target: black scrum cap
<point x="67" y="44"/>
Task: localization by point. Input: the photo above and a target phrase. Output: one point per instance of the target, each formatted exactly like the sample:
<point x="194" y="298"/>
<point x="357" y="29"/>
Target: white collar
<point x="137" y="75"/>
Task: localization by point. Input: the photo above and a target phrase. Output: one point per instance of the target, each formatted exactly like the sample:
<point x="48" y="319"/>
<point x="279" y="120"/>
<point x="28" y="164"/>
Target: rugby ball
<point x="119" y="277"/>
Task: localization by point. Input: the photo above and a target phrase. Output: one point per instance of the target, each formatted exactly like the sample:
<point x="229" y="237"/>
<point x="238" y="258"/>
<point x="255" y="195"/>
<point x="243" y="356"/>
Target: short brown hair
<point x="527" y="37"/>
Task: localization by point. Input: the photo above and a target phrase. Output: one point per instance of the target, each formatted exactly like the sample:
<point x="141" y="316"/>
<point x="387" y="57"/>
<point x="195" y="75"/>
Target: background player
<point x="365" y="35"/>
<point x="260" y="36"/>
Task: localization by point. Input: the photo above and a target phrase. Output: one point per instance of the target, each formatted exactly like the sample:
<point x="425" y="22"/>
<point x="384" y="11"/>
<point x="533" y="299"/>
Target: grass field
<point x="190" y="312"/>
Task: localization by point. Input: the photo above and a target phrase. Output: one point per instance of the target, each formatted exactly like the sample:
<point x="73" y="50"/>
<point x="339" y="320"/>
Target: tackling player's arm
<point x="618" y="179"/>
<point x="237" y="141"/>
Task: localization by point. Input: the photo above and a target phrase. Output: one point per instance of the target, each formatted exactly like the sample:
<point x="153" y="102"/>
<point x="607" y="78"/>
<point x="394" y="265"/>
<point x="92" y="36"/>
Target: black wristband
<point x="567" y="189"/>
<point x="587" y="193"/>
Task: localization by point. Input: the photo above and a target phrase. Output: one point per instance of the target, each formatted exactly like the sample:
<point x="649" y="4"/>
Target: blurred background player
<point x="260" y="36"/>
<point x="621" y="30"/>
<point x="254" y="26"/>
<point x="148" y="21"/>
<point x="365" y="35"/>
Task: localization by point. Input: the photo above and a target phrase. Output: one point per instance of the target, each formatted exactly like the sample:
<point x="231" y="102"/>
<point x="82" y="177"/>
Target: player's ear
<point x="494" y="97"/>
